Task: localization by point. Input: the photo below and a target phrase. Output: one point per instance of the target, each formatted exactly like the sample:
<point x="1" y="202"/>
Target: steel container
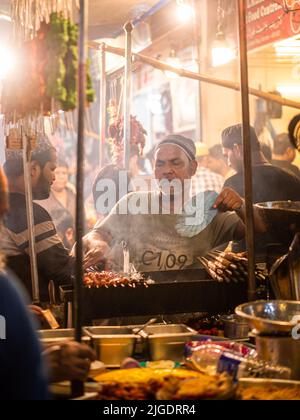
<point x="112" y="344"/>
<point x="235" y="327"/>
<point x="57" y="336"/>
<point x="282" y="351"/>
<point x="166" y="341"/>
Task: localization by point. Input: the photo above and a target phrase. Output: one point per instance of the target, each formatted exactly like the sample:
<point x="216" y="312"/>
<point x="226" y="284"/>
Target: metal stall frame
<point x="102" y="113"/>
<point x="30" y="219"/>
<point x="78" y="387"/>
<point x="128" y="28"/>
<point x="243" y="87"/>
<point x="247" y="149"/>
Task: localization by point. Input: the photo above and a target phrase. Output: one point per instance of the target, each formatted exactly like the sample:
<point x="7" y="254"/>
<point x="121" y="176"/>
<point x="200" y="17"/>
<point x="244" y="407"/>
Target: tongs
<point x="140" y="329"/>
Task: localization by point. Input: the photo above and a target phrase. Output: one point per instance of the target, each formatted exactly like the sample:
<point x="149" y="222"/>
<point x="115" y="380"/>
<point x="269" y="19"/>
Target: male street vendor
<point x="53" y="260"/>
<point x="167" y="229"/>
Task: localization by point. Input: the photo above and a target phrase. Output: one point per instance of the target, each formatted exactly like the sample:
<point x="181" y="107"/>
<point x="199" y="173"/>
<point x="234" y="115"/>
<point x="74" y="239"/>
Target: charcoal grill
<point x="174" y="292"/>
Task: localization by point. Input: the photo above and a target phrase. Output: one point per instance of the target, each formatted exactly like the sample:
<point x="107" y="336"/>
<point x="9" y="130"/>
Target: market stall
<point x="189" y="365"/>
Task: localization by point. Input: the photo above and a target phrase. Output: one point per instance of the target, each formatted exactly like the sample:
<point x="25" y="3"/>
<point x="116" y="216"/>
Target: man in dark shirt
<point x="270" y="183"/>
<point x="284" y="154"/>
<point x="53" y="260"/>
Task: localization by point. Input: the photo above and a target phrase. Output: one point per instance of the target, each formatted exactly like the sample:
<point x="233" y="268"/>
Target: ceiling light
<point x="7" y="62"/>
<point x="288" y="47"/>
<point x="185" y="11"/>
<point x="289" y="90"/>
<point x="221" y="53"/>
<point x="5" y="17"/>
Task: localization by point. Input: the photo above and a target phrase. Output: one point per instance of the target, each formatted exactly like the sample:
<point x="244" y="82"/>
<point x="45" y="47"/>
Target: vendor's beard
<point x="42" y="189"/>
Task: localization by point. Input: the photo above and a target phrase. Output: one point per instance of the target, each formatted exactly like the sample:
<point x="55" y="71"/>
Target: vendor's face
<point x="61" y="178"/>
<point x="213" y="164"/>
<point x="43" y="178"/>
<point x="234" y="157"/>
<point x="171" y="163"/>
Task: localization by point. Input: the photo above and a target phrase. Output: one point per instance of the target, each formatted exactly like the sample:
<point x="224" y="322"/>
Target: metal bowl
<point x="270" y="317"/>
<point x="282" y="218"/>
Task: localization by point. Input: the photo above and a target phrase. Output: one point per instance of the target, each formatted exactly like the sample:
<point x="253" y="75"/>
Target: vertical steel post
<point x="128" y="28"/>
<point x="197" y="40"/>
<point x="30" y="219"/>
<point x="242" y="8"/>
<point x="77" y="387"/>
<point x="102" y="104"/>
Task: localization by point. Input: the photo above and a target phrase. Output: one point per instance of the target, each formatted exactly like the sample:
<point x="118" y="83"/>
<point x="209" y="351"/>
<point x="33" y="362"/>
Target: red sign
<point x="270" y="21"/>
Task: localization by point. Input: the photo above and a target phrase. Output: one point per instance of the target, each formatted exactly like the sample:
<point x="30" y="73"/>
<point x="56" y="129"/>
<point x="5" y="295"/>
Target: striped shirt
<point x="53" y="260"/>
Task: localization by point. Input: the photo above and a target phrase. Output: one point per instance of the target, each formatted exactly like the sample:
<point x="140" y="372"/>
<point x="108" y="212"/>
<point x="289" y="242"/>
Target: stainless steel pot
<point x="282" y="351"/>
<point x="235" y="327"/>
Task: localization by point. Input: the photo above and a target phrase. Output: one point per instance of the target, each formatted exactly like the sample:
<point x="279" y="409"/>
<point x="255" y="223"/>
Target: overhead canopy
<point x="107" y="17"/>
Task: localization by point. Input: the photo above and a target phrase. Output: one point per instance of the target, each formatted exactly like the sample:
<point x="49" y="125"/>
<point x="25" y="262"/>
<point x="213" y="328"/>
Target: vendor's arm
<point x="68" y="361"/>
<point x="113" y="229"/>
<point x="229" y="200"/>
<point x="96" y="248"/>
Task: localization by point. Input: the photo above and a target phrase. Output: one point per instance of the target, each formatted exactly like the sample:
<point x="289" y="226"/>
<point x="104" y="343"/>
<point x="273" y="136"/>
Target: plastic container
<point x="238" y="348"/>
<point x="213" y="359"/>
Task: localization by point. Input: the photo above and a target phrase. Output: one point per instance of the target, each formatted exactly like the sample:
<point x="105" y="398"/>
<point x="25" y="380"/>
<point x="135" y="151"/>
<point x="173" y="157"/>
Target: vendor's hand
<point x="71" y="361"/>
<point x="95" y="251"/>
<point x="228" y="200"/>
<point x="37" y="311"/>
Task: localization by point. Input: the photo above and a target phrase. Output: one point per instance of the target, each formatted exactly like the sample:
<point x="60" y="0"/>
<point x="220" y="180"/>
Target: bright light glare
<point x="7" y="62"/>
<point x="174" y="62"/>
<point x="154" y="104"/>
<point x="289" y="90"/>
<point x="288" y="47"/>
<point x="6" y="18"/>
<point x="222" y="55"/>
<point x="185" y="12"/>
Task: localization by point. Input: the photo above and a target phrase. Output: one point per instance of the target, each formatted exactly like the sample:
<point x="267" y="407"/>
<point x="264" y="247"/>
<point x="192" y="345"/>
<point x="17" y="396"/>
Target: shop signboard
<point x="270" y="21"/>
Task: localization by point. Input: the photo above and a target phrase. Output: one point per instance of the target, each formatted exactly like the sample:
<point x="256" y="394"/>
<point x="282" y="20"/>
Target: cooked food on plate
<point x="167" y="384"/>
<point x="269" y="392"/>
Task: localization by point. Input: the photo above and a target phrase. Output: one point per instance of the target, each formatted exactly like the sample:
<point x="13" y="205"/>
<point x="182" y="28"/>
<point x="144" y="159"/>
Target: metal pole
<point x="202" y="77"/>
<point x="242" y="6"/>
<point x="77" y="387"/>
<point x="128" y="27"/>
<point x="102" y="104"/>
<point x="30" y="220"/>
<point x="197" y="40"/>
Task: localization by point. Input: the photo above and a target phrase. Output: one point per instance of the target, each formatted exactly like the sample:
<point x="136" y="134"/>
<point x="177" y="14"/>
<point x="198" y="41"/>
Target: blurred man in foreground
<point x="24" y="375"/>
